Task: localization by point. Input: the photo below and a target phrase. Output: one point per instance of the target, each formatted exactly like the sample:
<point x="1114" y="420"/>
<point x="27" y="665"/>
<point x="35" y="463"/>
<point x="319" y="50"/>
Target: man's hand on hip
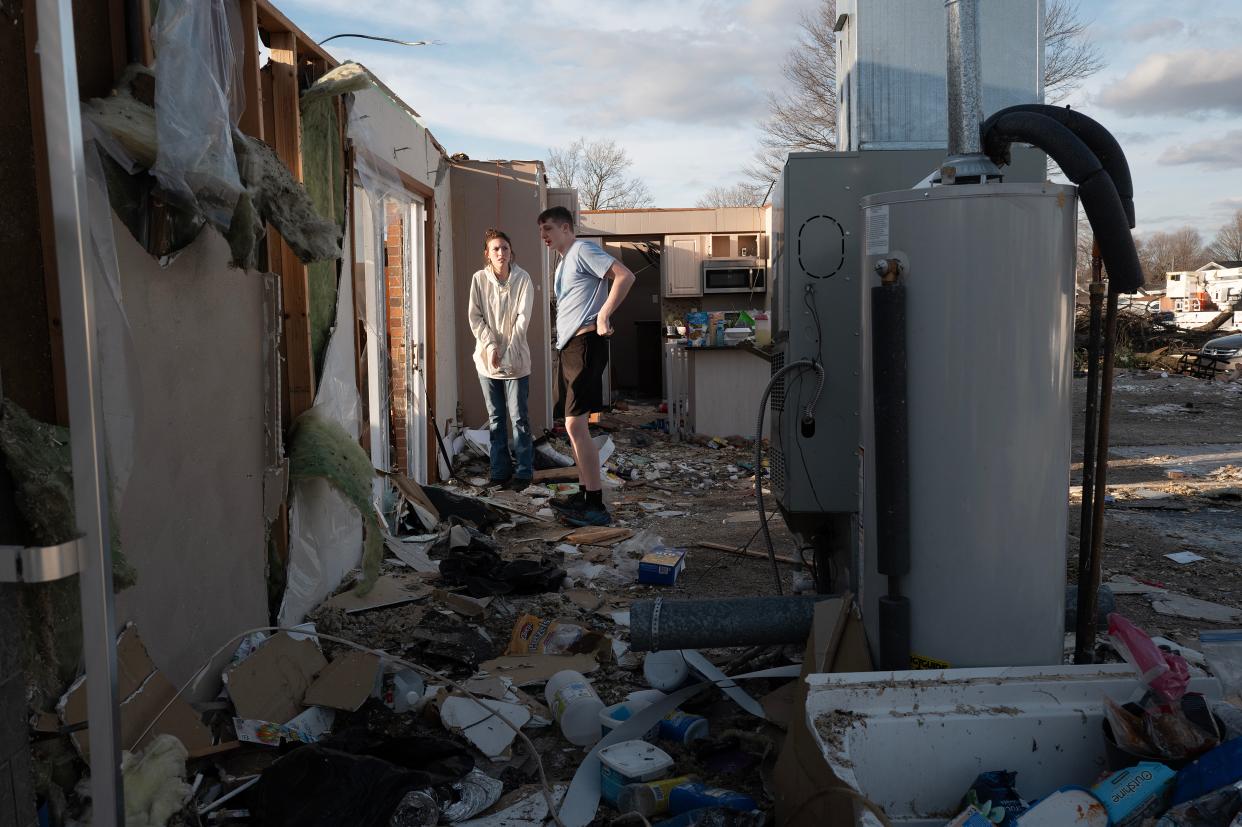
<point x="603" y="326"/>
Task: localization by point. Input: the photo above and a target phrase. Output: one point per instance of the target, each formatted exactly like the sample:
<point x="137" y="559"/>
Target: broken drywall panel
<point x="271" y="683"/>
<point x="479" y="722"/>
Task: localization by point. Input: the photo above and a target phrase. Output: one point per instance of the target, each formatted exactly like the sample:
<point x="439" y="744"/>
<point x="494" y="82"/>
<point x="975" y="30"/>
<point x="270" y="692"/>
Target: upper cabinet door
<point x="682" y="257"/>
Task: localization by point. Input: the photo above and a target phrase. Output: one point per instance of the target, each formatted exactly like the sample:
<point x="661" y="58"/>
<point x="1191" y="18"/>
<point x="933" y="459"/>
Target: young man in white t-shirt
<point x="589" y="286"/>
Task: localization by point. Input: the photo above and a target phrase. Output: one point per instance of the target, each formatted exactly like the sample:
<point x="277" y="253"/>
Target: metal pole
<point x="1086" y="622"/>
<point x="1084" y="640"/>
<point x="67" y="170"/>
<point x="965" y="97"/>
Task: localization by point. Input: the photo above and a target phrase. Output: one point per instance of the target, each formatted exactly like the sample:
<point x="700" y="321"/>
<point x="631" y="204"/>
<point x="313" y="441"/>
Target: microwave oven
<point x="734" y="275"/>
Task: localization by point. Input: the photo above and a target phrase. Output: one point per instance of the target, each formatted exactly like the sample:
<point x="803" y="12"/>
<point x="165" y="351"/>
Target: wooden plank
<point x="745" y="552"/>
<point x="252" y="116"/>
<point x="286" y="139"/>
<point x="569" y="474"/>
<point x="117" y="33"/>
<point x="47" y="234"/>
<point x="273" y="20"/>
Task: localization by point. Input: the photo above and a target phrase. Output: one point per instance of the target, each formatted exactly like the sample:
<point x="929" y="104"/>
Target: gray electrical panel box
<point x="816" y="307"/>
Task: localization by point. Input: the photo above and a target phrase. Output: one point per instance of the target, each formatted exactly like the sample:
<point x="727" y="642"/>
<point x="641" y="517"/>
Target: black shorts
<point x="580" y="376"/>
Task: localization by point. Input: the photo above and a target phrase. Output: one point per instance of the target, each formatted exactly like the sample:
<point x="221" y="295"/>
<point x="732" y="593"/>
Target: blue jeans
<point x="506" y="402"/>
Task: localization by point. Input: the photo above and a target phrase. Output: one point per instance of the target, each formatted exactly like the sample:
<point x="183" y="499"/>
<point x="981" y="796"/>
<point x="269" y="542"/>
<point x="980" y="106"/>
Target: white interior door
<point x="416" y="342"/>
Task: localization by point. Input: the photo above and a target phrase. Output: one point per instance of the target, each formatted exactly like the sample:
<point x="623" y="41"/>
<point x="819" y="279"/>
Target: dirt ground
<point x="1175" y="484"/>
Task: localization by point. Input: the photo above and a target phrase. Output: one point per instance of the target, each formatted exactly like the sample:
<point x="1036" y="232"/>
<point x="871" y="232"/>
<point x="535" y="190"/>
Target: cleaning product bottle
<point x="694" y="796"/>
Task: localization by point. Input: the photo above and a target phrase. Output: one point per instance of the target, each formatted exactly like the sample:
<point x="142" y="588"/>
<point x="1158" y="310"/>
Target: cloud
<point x="1224" y="152"/>
<point x="1180" y="83"/>
<point x="1164" y="27"/>
<point x="1227" y="205"/>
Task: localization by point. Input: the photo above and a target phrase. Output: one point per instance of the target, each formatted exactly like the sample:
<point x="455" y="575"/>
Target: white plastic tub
<point x="913" y="742"/>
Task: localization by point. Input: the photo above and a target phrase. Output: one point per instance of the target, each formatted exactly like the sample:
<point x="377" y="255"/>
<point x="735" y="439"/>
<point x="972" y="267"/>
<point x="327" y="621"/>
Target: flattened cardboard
<point x="525" y="670"/>
<point x="462" y="604"/>
<point x="345" y="683"/>
<point x="413" y="493"/>
<point x="270" y="684"/>
<point x="388" y="591"/>
<point x="144" y="691"/>
<point x="837" y="644"/>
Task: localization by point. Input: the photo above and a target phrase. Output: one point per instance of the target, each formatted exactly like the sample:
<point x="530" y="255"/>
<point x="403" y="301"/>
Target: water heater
<point x="988" y="271"/>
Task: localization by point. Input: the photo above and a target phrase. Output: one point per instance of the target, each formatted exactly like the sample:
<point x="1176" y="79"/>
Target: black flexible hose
<point x="1098" y="139"/>
<point x="1096" y="189"/>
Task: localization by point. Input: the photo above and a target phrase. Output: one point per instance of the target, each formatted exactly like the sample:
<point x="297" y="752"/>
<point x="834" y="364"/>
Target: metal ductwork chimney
<point x="966" y="162"/>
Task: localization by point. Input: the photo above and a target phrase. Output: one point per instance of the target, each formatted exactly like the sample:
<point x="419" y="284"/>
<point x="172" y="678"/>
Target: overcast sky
<point x="682" y="84"/>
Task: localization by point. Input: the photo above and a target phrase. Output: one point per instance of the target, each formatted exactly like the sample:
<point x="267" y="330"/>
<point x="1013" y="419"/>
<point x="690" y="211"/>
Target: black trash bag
<point x="355" y="778"/>
<point x="470" y="509"/>
<point x="483" y="572"/>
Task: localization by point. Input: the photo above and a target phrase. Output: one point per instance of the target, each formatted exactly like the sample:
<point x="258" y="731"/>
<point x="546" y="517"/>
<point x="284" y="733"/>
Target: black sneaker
<point x="576" y="501"/>
<point x="495" y="483"/>
<point x="588" y="515"/>
<point x="520" y="483"/>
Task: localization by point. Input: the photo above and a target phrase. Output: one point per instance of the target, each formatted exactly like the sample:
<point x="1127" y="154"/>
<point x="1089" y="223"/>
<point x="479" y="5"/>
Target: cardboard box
<point x="837" y="643"/>
<point x="662" y="566"/>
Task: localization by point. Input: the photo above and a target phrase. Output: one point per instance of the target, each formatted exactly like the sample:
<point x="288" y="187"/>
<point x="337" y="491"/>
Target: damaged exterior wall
<point x="402" y="141"/>
<point x="192" y="519"/>
<point x="507" y="195"/>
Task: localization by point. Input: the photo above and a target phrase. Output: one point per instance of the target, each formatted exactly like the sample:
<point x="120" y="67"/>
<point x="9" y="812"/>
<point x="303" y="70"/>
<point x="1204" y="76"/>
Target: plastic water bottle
<point x="575" y="706"/>
<point x="407" y="690"/>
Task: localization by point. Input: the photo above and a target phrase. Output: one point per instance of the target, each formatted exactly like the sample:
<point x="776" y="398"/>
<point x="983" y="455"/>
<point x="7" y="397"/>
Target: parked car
<point x="1229" y="349"/>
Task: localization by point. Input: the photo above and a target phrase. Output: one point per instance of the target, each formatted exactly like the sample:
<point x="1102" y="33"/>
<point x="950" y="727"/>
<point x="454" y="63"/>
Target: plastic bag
<point x="1164" y="673"/>
<point x="536" y="636"/>
<point x="197" y="101"/>
<point x="1213" y="809"/>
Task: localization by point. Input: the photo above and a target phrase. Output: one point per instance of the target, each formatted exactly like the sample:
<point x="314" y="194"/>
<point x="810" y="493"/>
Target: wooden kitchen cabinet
<point x="682" y="259"/>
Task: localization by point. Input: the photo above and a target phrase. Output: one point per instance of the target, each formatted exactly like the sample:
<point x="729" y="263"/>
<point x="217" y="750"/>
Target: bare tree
<point x="803" y="117"/>
<point x="600" y="172"/>
<point x="1227" y="246"/>
<point x="1170" y="252"/>
<point x="741" y="194"/>
<point x="1070" y="56"/>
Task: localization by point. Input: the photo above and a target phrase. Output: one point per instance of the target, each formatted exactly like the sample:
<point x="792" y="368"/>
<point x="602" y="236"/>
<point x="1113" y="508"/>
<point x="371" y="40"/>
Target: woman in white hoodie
<point x="501" y="301"/>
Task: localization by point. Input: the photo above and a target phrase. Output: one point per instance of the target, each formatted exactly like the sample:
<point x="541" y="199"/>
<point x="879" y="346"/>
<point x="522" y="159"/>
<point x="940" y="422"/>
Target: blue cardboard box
<point x="1133" y="794"/>
<point x="661" y="566"/>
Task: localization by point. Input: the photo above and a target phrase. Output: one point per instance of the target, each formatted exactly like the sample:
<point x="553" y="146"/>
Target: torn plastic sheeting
<point x="197" y="101"/>
<point x="325" y="544"/>
<point x="336" y="395"/>
<point x="582" y="800"/>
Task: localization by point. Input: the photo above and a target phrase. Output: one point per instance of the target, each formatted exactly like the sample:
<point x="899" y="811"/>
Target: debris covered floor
<point x="1175" y="486"/>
